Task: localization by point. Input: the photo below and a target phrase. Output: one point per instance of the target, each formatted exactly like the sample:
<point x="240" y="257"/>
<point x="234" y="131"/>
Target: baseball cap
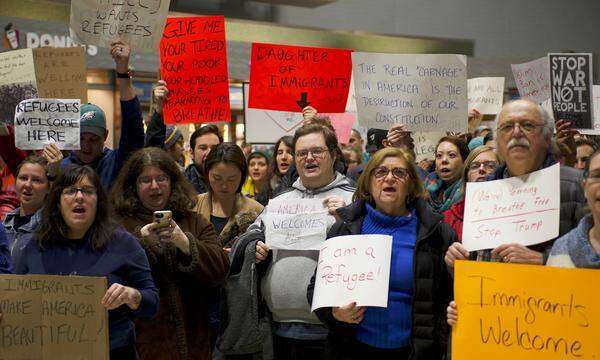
<point x="375" y="139"/>
<point x="92" y="120"/>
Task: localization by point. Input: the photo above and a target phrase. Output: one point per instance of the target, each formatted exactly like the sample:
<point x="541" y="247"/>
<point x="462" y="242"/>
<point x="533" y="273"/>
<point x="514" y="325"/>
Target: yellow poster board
<point x="513" y="312"/>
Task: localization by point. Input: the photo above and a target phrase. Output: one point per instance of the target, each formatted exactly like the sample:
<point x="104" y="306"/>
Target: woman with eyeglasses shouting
<point x="77" y="236"/>
<point x="155" y="202"/>
<point x="389" y="201"/>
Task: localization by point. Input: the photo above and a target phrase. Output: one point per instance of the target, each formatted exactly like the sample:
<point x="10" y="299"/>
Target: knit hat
<point x="92" y="120"/>
<point x="475" y="143"/>
<point x="172" y="135"/>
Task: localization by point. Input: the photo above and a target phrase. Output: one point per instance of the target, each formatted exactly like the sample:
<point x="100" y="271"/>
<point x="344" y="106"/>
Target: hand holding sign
<point x="350" y="313"/>
<point x="54" y="156"/>
<point x="120" y="53"/>
<point x="118" y="295"/>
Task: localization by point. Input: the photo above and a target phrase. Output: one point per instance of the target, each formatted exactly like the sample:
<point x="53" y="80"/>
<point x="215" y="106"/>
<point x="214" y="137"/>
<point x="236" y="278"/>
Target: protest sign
<point x="342" y="123"/>
<point x="267" y="126"/>
<point x="45" y="121"/>
<point x="486" y="94"/>
<point x="137" y="23"/>
<point x="596" y="116"/>
<point x="193" y="62"/>
<point x="353" y="268"/>
<point x="509" y="311"/>
<point x="53" y="317"/>
<point x="425" y="92"/>
<point x="571" y="88"/>
<point x="425" y="143"/>
<point x="533" y="79"/>
<point x="61" y="73"/>
<point x="296" y="224"/>
<point x="520" y="209"/>
<point x="288" y="78"/>
<point x="17" y="81"/>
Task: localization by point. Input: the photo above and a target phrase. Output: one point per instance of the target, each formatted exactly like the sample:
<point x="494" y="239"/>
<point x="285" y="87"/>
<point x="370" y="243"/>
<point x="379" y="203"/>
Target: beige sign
<point x="61" y="73"/>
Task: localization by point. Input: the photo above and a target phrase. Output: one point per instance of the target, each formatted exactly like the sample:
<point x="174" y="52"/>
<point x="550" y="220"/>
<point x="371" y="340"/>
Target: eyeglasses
<point x="147" y="180"/>
<point x="398" y="173"/>
<point x="488" y="165"/>
<point x="526" y="126"/>
<point x="317" y="153"/>
<point x="86" y="191"/>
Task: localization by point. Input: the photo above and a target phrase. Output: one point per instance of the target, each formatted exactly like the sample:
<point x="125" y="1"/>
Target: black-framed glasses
<point x="526" y="126"/>
<point x="399" y="173"/>
<point x="316" y="152"/>
<point x="488" y="165"/>
<point x="87" y="191"/>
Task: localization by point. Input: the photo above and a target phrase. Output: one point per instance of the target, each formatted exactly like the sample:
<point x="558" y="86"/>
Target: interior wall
<point x="105" y="100"/>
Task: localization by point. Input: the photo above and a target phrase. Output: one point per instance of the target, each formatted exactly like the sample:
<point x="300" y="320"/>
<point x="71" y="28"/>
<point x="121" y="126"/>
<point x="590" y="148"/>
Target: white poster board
<point x="520" y="209"/>
<point x="296" y="224"/>
<point x="137" y="23"/>
<point x="353" y="268"/>
<point x="533" y="79"/>
<point x="17" y="81"/>
<point x="486" y="94"/>
<point x="425" y="143"/>
<point x="44" y="121"/>
<point x="425" y="92"/>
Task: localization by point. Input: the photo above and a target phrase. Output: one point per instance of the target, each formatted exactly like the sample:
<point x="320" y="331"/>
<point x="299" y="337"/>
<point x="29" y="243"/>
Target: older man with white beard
<point x="524" y="135"/>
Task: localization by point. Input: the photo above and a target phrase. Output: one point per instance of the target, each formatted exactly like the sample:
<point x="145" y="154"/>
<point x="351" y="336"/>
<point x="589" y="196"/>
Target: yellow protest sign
<point x="516" y="312"/>
<point x="53" y="317"/>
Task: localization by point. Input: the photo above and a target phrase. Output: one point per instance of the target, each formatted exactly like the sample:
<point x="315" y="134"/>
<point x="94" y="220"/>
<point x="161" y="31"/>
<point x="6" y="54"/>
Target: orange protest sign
<point x="509" y="311"/>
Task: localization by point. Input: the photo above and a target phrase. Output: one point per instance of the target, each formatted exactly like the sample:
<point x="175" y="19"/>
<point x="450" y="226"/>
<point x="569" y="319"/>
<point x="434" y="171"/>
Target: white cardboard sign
<point x="425" y="92"/>
<point x="353" y="268"/>
<point x="44" y="121"/>
<point x="486" y="94"/>
<point x="533" y="79"/>
<point x="425" y="143"/>
<point x="521" y="209"/>
<point x="137" y="23"/>
<point x="17" y="81"/>
<point x="296" y="224"/>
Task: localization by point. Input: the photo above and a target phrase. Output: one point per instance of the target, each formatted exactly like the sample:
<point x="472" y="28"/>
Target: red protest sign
<point x="193" y="62"/>
<point x="288" y="78"/>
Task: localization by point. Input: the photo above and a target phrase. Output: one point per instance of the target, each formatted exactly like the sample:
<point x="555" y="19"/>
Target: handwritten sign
<point x="342" y="123"/>
<point x="288" y="78"/>
<point x="61" y="73"/>
<point x="137" y="23"/>
<point x="44" y="121"/>
<point x="267" y="126"/>
<point x="533" y="79"/>
<point x="296" y="224"/>
<point x="425" y="92"/>
<point x="520" y="209"/>
<point x="486" y="94"/>
<point x="596" y="110"/>
<point x="571" y="79"/>
<point x="353" y="268"/>
<point x="17" y="81"/>
<point x="425" y="144"/>
<point x="48" y="317"/>
<point x="193" y="62"/>
<point x="509" y="311"/>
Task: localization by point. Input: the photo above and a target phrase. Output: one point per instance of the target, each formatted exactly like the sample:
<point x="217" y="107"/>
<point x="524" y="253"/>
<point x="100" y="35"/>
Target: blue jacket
<point x="122" y="260"/>
<point x="110" y="163"/>
<point x="574" y="248"/>
<point x="16" y="236"/>
<point x="5" y="261"/>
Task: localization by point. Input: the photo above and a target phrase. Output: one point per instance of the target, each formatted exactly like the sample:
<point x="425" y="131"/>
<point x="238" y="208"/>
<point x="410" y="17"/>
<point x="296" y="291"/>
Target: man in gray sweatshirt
<point x="297" y="333"/>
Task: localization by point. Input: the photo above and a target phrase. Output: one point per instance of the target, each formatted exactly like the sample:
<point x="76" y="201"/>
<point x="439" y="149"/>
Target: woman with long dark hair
<point x="77" y="235"/>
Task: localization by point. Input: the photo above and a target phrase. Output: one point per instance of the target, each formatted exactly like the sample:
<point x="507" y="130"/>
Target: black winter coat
<point x="432" y="285"/>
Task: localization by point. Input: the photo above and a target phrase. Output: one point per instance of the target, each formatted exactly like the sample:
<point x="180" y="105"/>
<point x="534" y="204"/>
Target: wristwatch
<point x="126" y="75"/>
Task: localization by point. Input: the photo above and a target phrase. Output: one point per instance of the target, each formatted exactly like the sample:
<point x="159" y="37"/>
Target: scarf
<point x="450" y="196"/>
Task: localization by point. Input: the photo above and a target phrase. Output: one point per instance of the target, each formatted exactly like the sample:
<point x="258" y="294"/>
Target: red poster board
<point x="287" y="78"/>
<point x="193" y="62"/>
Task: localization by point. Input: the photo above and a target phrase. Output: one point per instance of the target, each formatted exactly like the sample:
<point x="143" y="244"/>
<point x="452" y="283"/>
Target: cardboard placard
<point x="425" y="92"/>
<point x="486" y="94"/>
<point x="17" y="81"/>
<point x="44" y="121"/>
<point x="193" y="62"/>
<point x="521" y="209"/>
<point x="137" y="23"/>
<point x="61" y="73"/>
<point x="509" y="311"/>
<point x="296" y="224"/>
<point x="353" y="268"/>
<point x="288" y="78"/>
<point x="533" y="79"/>
<point x="53" y="317"/>
<point x="571" y="88"/>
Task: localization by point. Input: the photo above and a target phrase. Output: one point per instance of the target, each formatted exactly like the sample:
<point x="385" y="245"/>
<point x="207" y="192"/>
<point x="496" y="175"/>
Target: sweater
<point x="122" y="260"/>
<point x="574" y="250"/>
<point x="389" y="327"/>
<point x="108" y="165"/>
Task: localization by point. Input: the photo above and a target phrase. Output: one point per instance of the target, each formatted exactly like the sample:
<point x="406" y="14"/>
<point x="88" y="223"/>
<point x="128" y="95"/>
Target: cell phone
<point x="163" y="217"/>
